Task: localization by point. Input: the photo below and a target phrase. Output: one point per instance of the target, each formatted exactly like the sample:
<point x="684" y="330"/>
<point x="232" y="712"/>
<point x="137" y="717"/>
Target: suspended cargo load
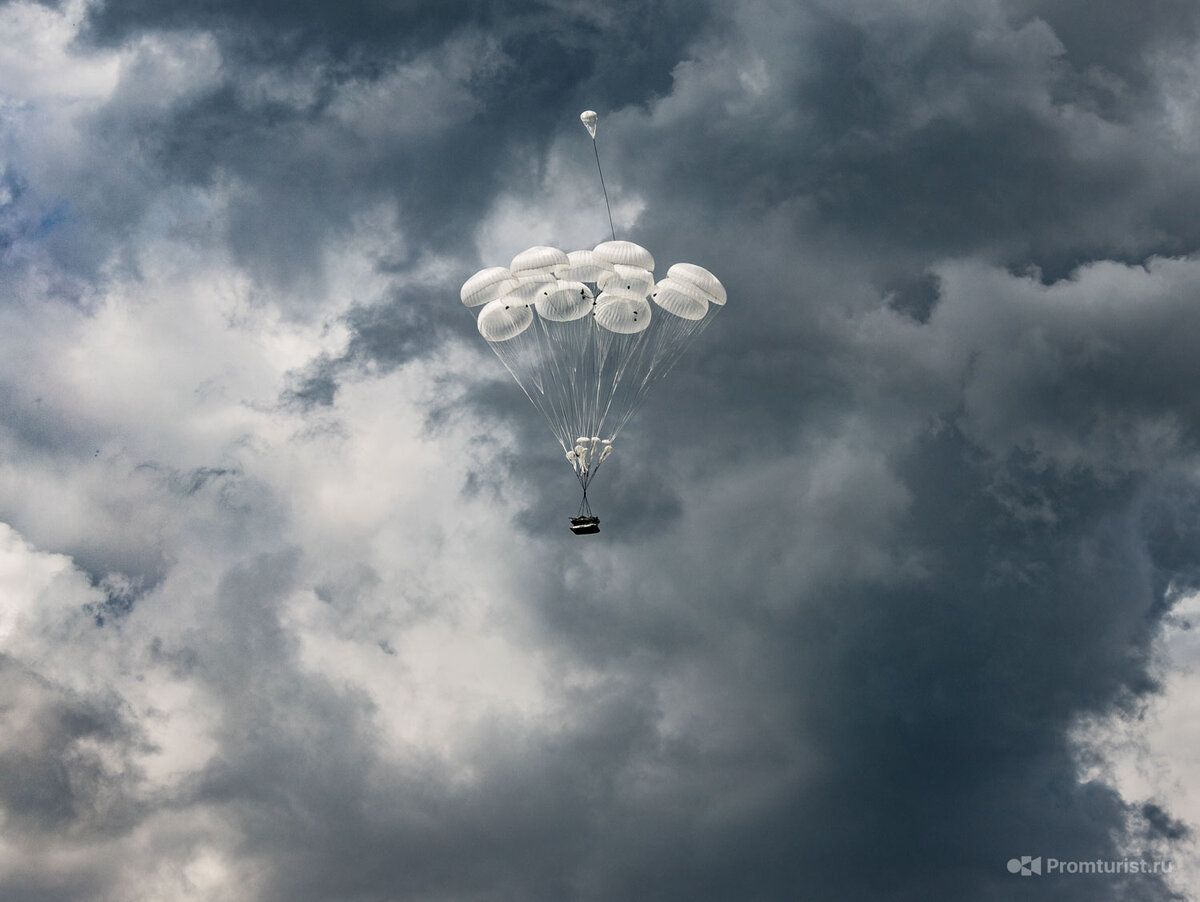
<point x="585" y="526"/>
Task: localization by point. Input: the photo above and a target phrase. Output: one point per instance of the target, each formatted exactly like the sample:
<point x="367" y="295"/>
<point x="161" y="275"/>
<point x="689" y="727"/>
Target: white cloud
<point x="38" y="63"/>
<point x="1152" y="757"/>
<point x="36" y="587"/>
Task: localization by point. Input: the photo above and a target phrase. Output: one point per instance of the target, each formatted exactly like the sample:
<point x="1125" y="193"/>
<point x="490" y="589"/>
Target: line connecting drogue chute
<point x="587" y="334"/>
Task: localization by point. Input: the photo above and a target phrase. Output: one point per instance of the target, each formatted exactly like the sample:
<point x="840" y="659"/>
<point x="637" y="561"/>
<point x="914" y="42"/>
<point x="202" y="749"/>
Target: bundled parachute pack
<point x="587" y="334"/>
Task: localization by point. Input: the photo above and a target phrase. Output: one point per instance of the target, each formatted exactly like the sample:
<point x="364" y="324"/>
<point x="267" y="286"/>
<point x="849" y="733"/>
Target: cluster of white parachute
<point x="586" y="334"/>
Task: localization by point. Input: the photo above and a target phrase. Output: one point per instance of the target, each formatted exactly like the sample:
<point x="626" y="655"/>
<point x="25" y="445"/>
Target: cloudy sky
<point x="897" y="567"/>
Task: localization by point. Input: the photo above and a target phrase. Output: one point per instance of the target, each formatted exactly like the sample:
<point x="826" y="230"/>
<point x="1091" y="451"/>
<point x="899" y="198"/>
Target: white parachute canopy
<point x="588" y="333"/>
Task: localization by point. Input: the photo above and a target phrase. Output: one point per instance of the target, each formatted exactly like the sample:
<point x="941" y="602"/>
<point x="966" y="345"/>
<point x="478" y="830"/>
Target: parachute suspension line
<point x="585" y="509"/>
<point x="605" y="190"/>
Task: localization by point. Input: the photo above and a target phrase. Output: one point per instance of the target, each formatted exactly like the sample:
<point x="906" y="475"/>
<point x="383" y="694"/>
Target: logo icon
<point x="1026" y="865"/>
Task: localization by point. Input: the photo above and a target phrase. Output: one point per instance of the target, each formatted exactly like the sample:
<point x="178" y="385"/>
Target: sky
<point x="897" y="569"/>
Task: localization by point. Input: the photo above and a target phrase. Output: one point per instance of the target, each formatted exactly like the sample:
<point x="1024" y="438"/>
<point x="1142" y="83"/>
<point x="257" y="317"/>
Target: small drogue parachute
<point x="587" y="334"/>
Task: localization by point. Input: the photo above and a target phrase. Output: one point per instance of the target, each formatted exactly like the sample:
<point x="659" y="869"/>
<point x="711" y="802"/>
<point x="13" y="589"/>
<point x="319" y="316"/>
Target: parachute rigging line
<point x="605" y="190"/>
<point x="585" y="509"/>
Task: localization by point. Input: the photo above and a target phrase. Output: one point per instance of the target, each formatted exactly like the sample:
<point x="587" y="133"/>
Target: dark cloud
<point x="915" y="296"/>
<point x="922" y="135"/>
<point x="457" y="91"/>
<point x="284" y="31"/>
<point x="67" y="760"/>
<point x="1115" y="38"/>
<point x="922" y="721"/>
